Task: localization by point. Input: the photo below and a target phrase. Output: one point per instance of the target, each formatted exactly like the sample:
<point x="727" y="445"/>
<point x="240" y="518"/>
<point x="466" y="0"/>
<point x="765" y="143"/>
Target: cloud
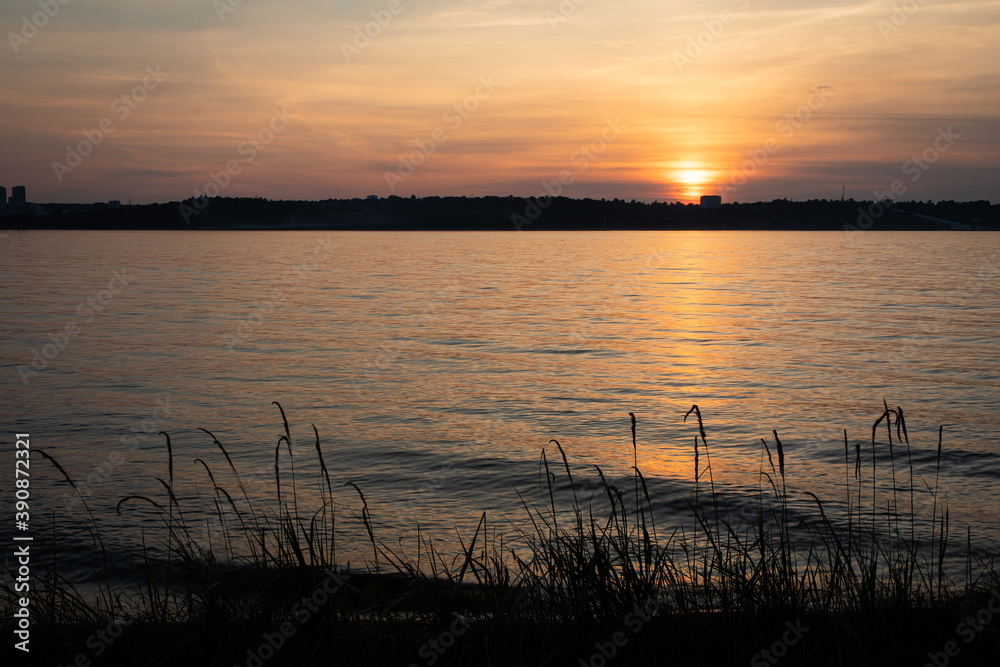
<point x="560" y="82"/>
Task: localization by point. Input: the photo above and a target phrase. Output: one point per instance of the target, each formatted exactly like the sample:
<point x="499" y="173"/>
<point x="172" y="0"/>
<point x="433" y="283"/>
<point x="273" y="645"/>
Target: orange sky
<point x="751" y="99"/>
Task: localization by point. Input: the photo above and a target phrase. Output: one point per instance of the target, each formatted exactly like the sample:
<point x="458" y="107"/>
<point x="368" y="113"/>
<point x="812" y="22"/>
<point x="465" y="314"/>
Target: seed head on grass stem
<point x="770" y="461"/>
<point x="781" y="454"/>
<point x="92" y="529"/>
<point x="366" y="520"/>
<point x="586" y="573"/>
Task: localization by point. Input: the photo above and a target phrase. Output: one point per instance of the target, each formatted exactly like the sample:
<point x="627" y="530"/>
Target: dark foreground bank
<point x="582" y="581"/>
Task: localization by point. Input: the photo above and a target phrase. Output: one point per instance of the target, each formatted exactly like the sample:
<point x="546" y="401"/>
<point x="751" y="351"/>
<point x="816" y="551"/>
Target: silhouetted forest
<point x="509" y="213"/>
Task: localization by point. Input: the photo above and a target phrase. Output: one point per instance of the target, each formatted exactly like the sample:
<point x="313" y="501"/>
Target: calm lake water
<point x="436" y="366"/>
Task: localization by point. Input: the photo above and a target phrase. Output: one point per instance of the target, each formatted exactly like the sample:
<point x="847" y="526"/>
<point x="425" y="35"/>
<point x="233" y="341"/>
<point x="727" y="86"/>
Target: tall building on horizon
<point x="17" y="197"/>
<point x="3" y="197"/>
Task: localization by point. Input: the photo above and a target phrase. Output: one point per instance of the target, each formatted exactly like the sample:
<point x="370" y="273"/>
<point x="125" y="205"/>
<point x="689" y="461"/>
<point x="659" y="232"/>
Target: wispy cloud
<point x="561" y="81"/>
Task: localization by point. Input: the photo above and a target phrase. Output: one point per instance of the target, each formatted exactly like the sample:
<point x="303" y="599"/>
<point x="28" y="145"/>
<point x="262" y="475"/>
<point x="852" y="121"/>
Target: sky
<point x="665" y="100"/>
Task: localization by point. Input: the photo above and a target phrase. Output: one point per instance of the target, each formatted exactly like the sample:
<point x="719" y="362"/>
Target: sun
<point x="691" y="177"/>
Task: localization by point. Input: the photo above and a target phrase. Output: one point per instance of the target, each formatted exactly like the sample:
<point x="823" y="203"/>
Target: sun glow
<point x="691" y="178"/>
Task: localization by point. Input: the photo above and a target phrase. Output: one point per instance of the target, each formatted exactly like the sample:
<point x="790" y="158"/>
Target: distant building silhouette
<point x="3" y="198"/>
<point x="711" y="201"/>
<point x="17" y="197"/>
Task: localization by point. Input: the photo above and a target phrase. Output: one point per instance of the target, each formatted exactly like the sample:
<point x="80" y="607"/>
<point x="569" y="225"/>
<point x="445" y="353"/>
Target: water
<point x="436" y="366"/>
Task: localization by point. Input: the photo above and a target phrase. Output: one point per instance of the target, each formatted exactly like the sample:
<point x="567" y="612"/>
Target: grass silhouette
<point x="581" y="580"/>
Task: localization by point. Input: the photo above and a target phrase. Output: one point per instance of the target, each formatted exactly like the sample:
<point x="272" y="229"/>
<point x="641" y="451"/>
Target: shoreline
<point x="511" y="214"/>
<point x="576" y="584"/>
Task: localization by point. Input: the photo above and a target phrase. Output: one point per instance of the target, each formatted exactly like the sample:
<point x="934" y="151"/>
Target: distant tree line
<point x="501" y="213"/>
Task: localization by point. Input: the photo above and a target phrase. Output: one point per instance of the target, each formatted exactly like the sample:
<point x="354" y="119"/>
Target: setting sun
<point x="426" y="242"/>
<point x="691" y="178"/>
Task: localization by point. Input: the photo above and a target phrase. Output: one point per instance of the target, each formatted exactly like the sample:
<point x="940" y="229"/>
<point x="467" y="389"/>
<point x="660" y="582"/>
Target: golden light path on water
<point x="436" y="366"/>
